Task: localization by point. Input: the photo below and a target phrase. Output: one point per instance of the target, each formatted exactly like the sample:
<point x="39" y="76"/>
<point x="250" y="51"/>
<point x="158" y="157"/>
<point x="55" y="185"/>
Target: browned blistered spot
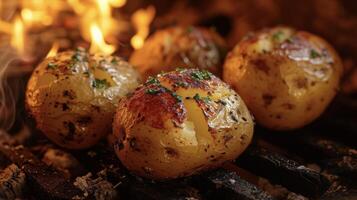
<point x="209" y="108"/>
<point x="133" y="144"/>
<point x="301" y="82"/>
<point x="69" y="93"/>
<point x="288" y="106"/>
<point x="65" y="107"/>
<point x="96" y="108"/>
<point x="186" y="78"/>
<point x="309" y="107"/>
<point x="261" y="65"/>
<point x="84" y="120"/>
<point x="268" y="99"/>
<point x="155" y="109"/>
<point x="71" y="131"/>
<point x="171" y="152"/>
<point x="230" y="55"/>
<point x="227" y="138"/>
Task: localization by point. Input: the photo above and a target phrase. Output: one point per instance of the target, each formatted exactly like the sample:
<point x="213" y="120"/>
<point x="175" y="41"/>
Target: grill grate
<point x="274" y="157"/>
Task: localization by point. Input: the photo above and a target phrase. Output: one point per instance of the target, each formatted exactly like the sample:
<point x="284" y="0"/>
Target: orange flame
<point x="105" y="16"/>
<point x="98" y="44"/>
<point x="5" y="27"/>
<point x="18" y="35"/>
<point x="40" y="12"/>
<point x="141" y="20"/>
<point x="117" y="3"/>
<point x="53" y="51"/>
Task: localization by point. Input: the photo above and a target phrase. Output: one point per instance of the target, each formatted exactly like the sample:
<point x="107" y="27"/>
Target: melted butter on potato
<point x="180" y="46"/>
<point x="73" y="96"/>
<point x="286" y="77"/>
<point x="180" y="123"/>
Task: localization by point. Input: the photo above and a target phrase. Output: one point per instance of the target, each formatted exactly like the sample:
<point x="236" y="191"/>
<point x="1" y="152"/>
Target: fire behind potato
<point x="180" y="46"/>
<point x="180" y="123"/>
<point x="286" y="77"/>
<point x="73" y="96"/>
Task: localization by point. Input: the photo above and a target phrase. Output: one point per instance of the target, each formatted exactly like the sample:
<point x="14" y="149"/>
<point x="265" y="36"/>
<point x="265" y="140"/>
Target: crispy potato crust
<point x="187" y="118"/>
<point x="73" y="96"/>
<point x="175" y="47"/>
<point x="286" y="77"/>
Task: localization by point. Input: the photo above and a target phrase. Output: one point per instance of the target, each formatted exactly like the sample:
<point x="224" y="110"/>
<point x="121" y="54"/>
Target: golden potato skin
<point x="179" y="46"/>
<point x="286" y="77"/>
<point x="180" y="123"/>
<point x="73" y="96"/>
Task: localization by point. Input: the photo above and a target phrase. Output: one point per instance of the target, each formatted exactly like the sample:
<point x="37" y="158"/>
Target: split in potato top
<point x="180" y="46"/>
<point x="286" y="77"/>
<point x="73" y="96"/>
<point x="180" y="123"/>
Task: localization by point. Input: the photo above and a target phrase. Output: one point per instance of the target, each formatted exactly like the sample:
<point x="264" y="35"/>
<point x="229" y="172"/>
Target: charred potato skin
<point x="286" y="77"/>
<point x="73" y="96"/>
<point x="176" y="125"/>
<point x="179" y="46"/>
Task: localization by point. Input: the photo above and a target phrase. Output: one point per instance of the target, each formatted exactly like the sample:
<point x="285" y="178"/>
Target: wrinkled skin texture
<point x="73" y="96"/>
<point x="177" y="124"/>
<point x="175" y="47"/>
<point x="286" y="77"/>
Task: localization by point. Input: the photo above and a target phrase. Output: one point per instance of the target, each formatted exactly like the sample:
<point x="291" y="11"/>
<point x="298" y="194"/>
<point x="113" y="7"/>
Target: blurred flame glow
<point x="141" y="20"/>
<point x="5" y="27"/>
<point x="53" y="51"/>
<point x="18" y="35"/>
<point x="98" y="44"/>
<point x="117" y="3"/>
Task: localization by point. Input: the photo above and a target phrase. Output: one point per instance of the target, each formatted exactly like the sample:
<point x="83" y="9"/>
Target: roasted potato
<point x="175" y="47"/>
<point x="180" y="123"/>
<point x="286" y="77"/>
<point x="73" y="96"/>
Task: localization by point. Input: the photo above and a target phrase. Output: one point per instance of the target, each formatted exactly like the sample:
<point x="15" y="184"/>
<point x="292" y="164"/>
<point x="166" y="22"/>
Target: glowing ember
<point x="141" y="20"/>
<point x="53" y="51"/>
<point x="98" y="44"/>
<point x="18" y="36"/>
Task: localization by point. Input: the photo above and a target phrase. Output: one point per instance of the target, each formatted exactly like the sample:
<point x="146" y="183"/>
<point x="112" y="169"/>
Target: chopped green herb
<point x="152" y="80"/>
<point x="152" y="91"/>
<point x="80" y="49"/>
<point x="102" y="62"/>
<point x="201" y="75"/>
<point x="206" y="99"/>
<point x="114" y="61"/>
<point x="314" y="54"/>
<point x="72" y="64"/>
<point x="180" y="69"/>
<point x="222" y="102"/>
<point x="177" y="97"/>
<point x="190" y="29"/>
<point x="86" y="73"/>
<point x="181" y="84"/>
<point x="196" y="97"/>
<point x="76" y="57"/>
<point x="100" y="83"/>
<point x="277" y="35"/>
<point x="290" y="40"/>
<point x="162" y="73"/>
<point x="51" y="65"/>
